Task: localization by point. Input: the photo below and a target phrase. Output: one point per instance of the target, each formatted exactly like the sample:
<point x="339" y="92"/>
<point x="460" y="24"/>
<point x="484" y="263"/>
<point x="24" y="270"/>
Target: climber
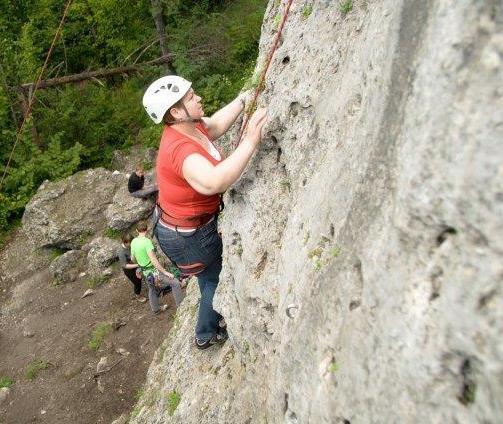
<point x="129" y="268"/>
<point x="192" y="174"/>
<point x="158" y="279"/>
<point x="136" y="182"/>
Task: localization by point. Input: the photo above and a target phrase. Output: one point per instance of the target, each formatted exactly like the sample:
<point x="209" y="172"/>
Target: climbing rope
<point x="32" y="97"/>
<point x="261" y="83"/>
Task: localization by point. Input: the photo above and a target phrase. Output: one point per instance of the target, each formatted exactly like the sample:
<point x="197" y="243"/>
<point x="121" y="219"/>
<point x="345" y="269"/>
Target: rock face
<point x="66" y="213"/>
<point x="126" y="210"/>
<point x="66" y="268"/>
<point x="363" y="246"/>
<point x="102" y="251"/>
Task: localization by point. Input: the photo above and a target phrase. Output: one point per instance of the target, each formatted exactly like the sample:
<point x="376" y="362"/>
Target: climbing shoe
<point x="218" y="338"/>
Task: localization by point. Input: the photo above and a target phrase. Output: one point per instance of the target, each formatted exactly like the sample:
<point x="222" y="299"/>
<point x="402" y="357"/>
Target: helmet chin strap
<point x="187" y="119"/>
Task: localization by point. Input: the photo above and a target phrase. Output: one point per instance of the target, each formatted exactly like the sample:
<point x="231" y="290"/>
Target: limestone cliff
<point x="363" y="245"/>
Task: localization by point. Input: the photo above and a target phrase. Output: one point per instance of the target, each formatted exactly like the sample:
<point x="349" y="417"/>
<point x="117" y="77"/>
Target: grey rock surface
<point x="4" y="394"/>
<point x="101" y="252"/>
<point x="363" y="245"/>
<point x="66" y="213"/>
<point x="66" y="267"/>
<point x="125" y="210"/>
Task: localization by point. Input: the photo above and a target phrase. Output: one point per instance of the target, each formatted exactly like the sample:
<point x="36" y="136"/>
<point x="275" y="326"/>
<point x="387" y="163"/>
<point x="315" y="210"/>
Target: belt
<point x="184" y="228"/>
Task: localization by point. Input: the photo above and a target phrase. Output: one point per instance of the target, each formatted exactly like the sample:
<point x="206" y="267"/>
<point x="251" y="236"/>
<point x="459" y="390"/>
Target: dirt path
<point x="53" y="324"/>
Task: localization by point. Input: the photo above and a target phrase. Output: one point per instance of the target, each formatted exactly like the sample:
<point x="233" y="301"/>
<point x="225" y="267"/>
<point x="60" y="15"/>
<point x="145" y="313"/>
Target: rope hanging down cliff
<point x="32" y="97"/>
<point x="261" y="83"/>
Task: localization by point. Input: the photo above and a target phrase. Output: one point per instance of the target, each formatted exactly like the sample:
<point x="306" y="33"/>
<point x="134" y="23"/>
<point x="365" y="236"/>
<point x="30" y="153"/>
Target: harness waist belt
<point x="185" y="223"/>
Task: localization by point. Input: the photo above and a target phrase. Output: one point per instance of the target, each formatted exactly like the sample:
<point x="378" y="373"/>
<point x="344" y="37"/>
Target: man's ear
<point x="175" y="112"/>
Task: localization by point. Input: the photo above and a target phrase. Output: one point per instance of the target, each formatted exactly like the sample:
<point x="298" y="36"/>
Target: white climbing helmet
<point x="162" y="94"/>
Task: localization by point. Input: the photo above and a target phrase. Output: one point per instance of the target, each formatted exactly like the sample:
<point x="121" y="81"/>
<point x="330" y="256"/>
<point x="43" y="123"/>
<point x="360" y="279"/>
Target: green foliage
<point x="35" y="367"/>
<point x="174" y="399"/>
<point x="215" y="43"/>
<point x="335" y="252"/>
<point x="98" y="334"/>
<point x="54" y="252"/>
<point x="5" y="382"/>
<point x="96" y="281"/>
<point x="345" y="7"/>
<point x="139" y="393"/>
<point x="306" y="11"/>
<point x="333" y="367"/>
<point x="112" y="233"/>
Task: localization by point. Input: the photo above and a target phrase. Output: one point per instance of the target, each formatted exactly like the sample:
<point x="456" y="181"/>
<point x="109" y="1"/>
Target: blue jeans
<point x="202" y="245"/>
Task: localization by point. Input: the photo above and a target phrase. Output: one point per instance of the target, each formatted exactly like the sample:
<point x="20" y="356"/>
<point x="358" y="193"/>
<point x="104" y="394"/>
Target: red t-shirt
<point x="176" y="196"/>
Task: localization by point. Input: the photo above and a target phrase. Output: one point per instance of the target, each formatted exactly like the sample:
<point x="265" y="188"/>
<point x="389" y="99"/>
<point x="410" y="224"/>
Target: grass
<point x="98" y="334"/>
<point x="84" y="237"/>
<point x="94" y="282"/>
<point x="57" y="282"/>
<point x="113" y="233"/>
<point x="276" y="21"/>
<point x="306" y="11"/>
<point x="35" y="367"/>
<point x="139" y="393"/>
<point x="55" y="252"/>
<point x="333" y="367"/>
<point x="336" y="251"/>
<point x="135" y="412"/>
<point x="173" y="400"/>
<point x="345" y="7"/>
<point x="5" y="382"/>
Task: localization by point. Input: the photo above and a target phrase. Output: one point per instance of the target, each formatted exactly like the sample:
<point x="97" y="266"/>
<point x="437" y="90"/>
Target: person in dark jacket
<point x="137" y="181"/>
<point x="129" y="267"/>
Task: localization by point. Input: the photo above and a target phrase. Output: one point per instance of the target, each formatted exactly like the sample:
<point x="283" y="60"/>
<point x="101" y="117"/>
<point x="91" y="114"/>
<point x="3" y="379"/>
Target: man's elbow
<point x="211" y="186"/>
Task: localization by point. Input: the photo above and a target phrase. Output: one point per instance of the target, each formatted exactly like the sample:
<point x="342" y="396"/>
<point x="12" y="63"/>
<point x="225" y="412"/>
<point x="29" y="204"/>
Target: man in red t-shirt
<point x="191" y="175"/>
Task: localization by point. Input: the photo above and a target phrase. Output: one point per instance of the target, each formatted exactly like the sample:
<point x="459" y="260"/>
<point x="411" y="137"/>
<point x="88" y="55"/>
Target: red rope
<point x="32" y="97"/>
<point x="260" y="85"/>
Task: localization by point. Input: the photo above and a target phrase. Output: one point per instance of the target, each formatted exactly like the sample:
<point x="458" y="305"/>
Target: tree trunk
<point x="25" y="102"/>
<point x="100" y="73"/>
<point x="161" y="32"/>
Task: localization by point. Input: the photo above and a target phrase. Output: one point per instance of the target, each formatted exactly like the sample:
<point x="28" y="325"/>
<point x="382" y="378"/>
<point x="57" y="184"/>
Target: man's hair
<point x="139" y="166"/>
<point x="126" y="238"/>
<point x="168" y="118"/>
<point x="142" y="227"/>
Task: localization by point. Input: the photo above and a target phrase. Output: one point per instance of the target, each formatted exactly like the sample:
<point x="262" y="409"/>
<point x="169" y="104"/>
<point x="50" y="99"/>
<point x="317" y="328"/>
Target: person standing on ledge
<point x="192" y="174"/>
<point x="136" y="182"/>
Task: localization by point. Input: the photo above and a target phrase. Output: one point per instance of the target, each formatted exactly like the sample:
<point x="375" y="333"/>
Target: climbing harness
<point x="260" y="85"/>
<point x="32" y="97"/>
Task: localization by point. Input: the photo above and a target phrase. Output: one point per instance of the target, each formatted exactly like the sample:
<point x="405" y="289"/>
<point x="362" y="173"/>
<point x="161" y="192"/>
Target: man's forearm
<point x="222" y="120"/>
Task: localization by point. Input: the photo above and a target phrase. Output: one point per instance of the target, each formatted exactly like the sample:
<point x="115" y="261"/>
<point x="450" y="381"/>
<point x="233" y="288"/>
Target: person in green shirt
<point x="158" y="279"/>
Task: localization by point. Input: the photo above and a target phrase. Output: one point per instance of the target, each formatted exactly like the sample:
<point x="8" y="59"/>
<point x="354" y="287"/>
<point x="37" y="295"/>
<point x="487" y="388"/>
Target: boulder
<point x="66" y="268"/>
<point x="66" y="213"/>
<point x="126" y="210"/>
<point x="102" y="251"/>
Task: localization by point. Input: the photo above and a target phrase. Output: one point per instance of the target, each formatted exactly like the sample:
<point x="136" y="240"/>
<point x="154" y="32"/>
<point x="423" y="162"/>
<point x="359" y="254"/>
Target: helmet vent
<point x="175" y="89"/>
<point x="153" y="115"/>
